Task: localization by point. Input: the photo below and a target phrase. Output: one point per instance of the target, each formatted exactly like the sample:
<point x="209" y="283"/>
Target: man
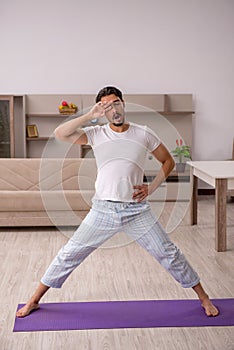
<point x="120" y="202"/>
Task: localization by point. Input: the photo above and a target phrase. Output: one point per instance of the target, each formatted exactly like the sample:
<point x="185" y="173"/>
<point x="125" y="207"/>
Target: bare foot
<point x="27" y="309"/>
<point x="209" y="307"/>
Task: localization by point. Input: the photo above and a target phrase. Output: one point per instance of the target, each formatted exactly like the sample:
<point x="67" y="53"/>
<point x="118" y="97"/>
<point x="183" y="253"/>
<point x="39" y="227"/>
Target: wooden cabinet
<point x="169" y="115"/>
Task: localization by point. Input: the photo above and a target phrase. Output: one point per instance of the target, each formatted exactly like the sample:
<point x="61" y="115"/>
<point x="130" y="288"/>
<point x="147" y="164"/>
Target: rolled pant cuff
<point x="51" y="285"/>
<point x="191" y="285"/>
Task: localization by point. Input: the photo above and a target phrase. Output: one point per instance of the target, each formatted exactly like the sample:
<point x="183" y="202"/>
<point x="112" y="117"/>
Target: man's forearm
<point x="163" y="173"/>
<point x="72" y="126"/>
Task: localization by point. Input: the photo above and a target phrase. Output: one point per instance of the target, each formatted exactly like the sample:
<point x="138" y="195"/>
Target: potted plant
<point x="181" y="152"/>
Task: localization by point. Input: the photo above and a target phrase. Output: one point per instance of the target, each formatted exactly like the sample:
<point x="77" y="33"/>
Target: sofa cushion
<point x="42" y="218"/>
<point x="45" y="200"/>
<point x="47" y="174"/>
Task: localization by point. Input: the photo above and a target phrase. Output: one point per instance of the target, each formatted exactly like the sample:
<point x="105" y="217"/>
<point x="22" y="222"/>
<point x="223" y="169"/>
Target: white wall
<point x="142" y="46"/>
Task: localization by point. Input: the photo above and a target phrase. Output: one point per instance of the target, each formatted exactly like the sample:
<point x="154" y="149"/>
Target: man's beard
<point x="118" y="124"/>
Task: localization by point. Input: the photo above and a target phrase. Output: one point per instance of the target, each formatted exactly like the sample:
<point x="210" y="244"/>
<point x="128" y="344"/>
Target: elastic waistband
<point x="118" y="203"/>
<point x="108" y="200"/>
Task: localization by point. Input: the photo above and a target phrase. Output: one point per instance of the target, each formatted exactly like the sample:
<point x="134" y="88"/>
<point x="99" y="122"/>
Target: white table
<point x="220" y="175"/>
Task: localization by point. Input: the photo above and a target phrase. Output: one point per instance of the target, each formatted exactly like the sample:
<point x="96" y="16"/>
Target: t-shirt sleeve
<point x="152" y="139"/>
<point x="91" y="132"/>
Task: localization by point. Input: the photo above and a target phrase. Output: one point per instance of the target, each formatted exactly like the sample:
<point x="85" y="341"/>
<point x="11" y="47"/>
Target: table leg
<point x="220" y="214"/>
<point x="193" y="207"/>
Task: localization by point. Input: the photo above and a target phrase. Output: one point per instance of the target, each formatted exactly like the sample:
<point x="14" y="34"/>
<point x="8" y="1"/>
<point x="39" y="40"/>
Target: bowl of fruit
<point x="68" y="108"/>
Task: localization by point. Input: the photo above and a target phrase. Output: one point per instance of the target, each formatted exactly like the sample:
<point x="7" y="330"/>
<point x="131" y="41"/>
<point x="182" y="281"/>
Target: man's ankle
<point x="204" y="297"/>
<point x="33" y="300"/>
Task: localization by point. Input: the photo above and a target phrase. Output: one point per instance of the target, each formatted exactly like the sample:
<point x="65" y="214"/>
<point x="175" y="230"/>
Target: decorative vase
<point x="180" y="167"/>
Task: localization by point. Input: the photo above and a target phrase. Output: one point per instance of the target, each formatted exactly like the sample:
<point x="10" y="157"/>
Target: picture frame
<point x="32" y="130"/>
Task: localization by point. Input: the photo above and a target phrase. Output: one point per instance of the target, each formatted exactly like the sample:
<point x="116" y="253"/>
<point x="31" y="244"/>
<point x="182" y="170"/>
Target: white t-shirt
<point x="120" y="158"/>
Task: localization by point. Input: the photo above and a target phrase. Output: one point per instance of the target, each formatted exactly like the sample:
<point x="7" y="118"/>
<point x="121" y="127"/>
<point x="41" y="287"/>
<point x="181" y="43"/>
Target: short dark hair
<point x="109" y="90"/>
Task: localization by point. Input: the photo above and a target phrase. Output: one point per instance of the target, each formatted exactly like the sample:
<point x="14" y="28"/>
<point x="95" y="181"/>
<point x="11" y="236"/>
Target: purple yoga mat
<point x="124" y="314"/>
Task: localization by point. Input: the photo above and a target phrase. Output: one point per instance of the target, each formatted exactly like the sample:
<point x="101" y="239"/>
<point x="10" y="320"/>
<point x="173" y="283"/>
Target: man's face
<point x="114" y="109"/>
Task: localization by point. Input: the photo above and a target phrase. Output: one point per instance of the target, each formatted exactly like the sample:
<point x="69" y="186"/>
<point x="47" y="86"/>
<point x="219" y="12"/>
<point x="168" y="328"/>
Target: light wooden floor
<point x="119" y="271"/>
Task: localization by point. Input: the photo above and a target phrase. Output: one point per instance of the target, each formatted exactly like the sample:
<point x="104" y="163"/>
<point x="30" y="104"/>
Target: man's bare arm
<point x="164" y="157"/>
<point x="72" y="131"/>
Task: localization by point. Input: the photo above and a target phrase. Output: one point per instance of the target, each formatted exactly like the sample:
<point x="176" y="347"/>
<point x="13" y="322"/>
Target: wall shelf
<point x="49" y="115"/>
<point x="176" y="113"/>
<point x="164" y="113"/>
<point x="40" y="138"/>
<point x="46" y="122"/>
<point x="42" y="111"/>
